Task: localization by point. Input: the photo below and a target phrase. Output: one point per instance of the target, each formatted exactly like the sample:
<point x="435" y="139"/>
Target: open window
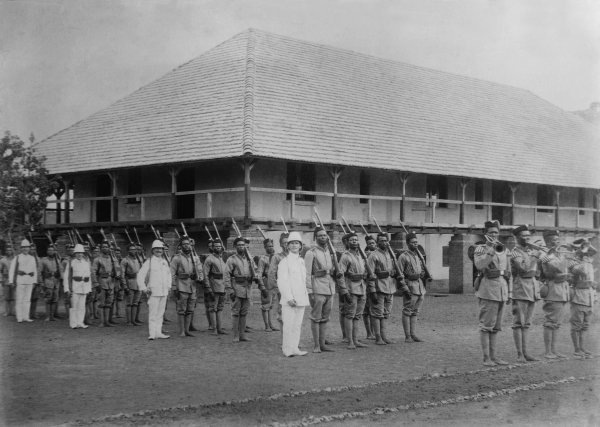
<point x="301" y="177"/>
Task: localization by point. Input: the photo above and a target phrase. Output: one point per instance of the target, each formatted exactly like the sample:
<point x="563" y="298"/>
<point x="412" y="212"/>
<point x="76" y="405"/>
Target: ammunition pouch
<point x="242" y="279"/>
<point x="81" y="279"/>
<point x="584" y="285"/>
<point x="354" y="277"/>
<point x="321" y="273"/>
<point x="130" y="275"/>
<point x="382" y="274"/>
<point x="412" y="276"/>
<point x="56" y="275"/>
<point x="559" y="278"/>
<point x="494" y="274"/>
<point x="184" y="276"/>
<point x="104" y="275"/>
<point x="217" y="276"/>
<point x="528" y="274"/>
<point x="22" y="273"/>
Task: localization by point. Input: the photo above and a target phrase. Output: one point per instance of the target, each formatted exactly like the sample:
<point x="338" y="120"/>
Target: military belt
<point x="81" y="279"/>
<point x="413" y="276"/>
<point x="104" y="275"/>
<point x="354" y="277"/>
<point x="22" y="273"/>
<point x="241" y="279"/>
<point x="321" y="273"/>
<point x="382" y="274"/>
<point x="528" y="274"/>
<point x="218" y="276"/>
<point x="184" y="276"/>
<point x="131" y="275"/>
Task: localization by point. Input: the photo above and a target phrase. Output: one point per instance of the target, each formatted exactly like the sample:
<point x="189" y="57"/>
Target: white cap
<point x="78" y="249"/>
<point x="25" y="243"/>
<point x="294" y="237"/>
<point x="157" y="244"/>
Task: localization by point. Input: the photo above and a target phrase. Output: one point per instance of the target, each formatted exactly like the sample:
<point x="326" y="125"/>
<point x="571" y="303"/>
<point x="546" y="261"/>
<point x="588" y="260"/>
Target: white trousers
<point x="292" y="324"/>
<point x="23" y="302"/>
<point x="77" y="311"/>
<point x="156" y="311"/>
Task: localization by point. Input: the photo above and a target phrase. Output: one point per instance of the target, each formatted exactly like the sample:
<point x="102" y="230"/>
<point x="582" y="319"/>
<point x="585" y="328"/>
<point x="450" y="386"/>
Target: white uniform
<point x="291" y="281"/>
<point x="155" y="276"/>
<point x="79" y="285"/>
<point x="26" y="278"/>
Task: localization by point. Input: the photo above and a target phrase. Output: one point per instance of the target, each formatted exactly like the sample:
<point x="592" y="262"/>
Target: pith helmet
<point x="157" y="244"/>
<point x="78" y="249"/>
<point x="295" y="237"/>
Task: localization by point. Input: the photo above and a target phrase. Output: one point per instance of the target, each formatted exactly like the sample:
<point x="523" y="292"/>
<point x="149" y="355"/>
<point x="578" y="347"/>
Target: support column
<point x="596" y="220"/>
<point x="58" y="193"/>
<point x="335" y="172"/>
<point x="463" y="196"/>
<point x="247" y="164"/>
<point x="461" y="267"/>
<point x="67" y="201"/>
<point x="114" y="203"/>
<point x="556" y="214"/>
<point x="173" y="171"/>
<point x="404" y="176"/>
<point x="513" y="201"/>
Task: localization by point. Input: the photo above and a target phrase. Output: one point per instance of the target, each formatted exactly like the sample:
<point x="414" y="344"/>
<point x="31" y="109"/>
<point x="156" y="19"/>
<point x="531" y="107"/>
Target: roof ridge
<point x="248" y="121"/>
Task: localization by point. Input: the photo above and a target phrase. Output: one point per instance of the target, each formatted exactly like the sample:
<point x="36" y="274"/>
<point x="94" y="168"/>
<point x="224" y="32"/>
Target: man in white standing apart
<point x="291" y="281"/>
<point x="154" y="278"/>
<point x="77" y="283"/>
<point x="23" y="275"/>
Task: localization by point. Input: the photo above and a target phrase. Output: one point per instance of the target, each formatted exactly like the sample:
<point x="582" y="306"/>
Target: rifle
<point x="35" y="255"/>
<point x="362" y="253"/>
<point x="194" y="254"/>
<point x="79" y="236"/>
<point x="56" y="257"/>
<point x="210" y="237"/>
<point x="428" y="276"/>
<point x="71" y="241"/>
<point x="137" y="256"/>
<point x="391" y="253"/>
<point x="218" y="235"/>
<point x="285" y="226"/>
<point x="262" y="233"/>
<point x="253" y="268"/>
<point x="342" y="226"/>
<point x="140" y="244"/>
<point x="336" y="265"/>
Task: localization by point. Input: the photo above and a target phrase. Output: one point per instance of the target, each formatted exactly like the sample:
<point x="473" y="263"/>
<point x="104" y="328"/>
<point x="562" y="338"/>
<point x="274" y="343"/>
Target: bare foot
<point x="488" y="363"/>
<point x="560" y="355"/>
<point x="550" y="356"/>
<point x="499" y="361"/>
<point x="317" y="350"/>
<point x="521" y="359"/>
<point x="380" y="342"/>
<point x="351" y="347"/>
<point x="408" y="339"/>
<point x="531" y="358"/>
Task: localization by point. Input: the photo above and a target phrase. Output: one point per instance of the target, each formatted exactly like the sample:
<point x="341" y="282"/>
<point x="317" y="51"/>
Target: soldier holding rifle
<point x="130" y="265"/>
<point x="412" y="266"/>
<point x="51" y="272"/>
<point x="216" y="276"/>
<point x="35" y="292"/>
<point x="270" y="299"/>
<point x="321" y="276"/>
<point x="185" y="272"/>
<point x="103" y="280"/>
<point x="8" y="290"/>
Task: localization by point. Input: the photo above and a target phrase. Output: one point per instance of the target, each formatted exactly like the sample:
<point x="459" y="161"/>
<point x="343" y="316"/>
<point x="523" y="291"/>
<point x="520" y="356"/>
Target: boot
<point x="181" y="321"/>
<point x="376" y="325"/>
<point x="219" y="324"/>
<point x="110" y="316"/>
<point x="213" y="320"/>
<point x="265" y="316"/>
<point x="413" y="328"/>
<point x="192" y="327"/>
<point x="314" y="328"/>
<point x="518" y="339"/>
<point x="188" y="324"/>
<point x="128" y="313"/>
<point x="384" y="337"/>
<point x="406" y="327"/>
<point x="48" y="312"/>
<point x="322" y="331"/>
<point x="236" y="328"/>
<point x="357" y="343"/>
<point x="137" y="320"/>
<point x="243" y="329"/>
<point x="273" y="328"/>
<point x="493" y="357"/>
<point x="348" y="329"/>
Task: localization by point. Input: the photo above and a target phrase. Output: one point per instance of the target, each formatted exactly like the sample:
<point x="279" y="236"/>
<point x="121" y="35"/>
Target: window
<point x="364" y="186"/>
<point x="301" y="177"/>
<point x="545" y="197"/>
<point x="581" y="200"/>
<point x="479" y="193"/>
<point x="438" y="186"/>
<point x="134" y="185"/>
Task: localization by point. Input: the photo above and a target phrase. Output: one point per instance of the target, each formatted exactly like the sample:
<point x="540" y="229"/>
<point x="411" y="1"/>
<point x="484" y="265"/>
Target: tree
<point x="24" y="185"/>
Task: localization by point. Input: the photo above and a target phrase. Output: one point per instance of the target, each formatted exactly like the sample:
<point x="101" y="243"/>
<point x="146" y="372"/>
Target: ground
<point x="115" y="376"/>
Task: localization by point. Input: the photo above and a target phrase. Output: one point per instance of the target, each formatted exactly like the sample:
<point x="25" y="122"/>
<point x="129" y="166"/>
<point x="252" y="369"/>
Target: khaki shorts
<point x="580" y="317"/>
<point x="321" y="308"/>
<point x="266" y="304"/>
<point x="411" y="304"/>
<point x="355" y="310"/>
<point x="133" y="298"/>
<point x="105" y="297"/>
<point x="383" y="308"/>
<point x="9" y="292"/>
<point x="240" y="306"/>
<point x="51" y="295"/>
<point x="490" y="315"/>
<point x="522" y="311"/>
<point x="217" y="303"/>
<point x="186" y="302"/>
<point x="553" y="313"/>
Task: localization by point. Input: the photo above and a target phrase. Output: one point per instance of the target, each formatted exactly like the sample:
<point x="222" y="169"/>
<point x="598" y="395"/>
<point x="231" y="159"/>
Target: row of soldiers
<point x="113" y="279"/>
<point x="557" y="274"/>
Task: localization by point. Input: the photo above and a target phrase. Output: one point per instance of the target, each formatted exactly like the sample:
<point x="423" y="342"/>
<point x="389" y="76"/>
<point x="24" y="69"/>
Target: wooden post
<point x="489" y="212"/>
<point x="463" y="196"/>
<point x="143" y="208"/>
<point x="58" y="193"/>
<point x="369" y="209"/>
<point x="596" y="220"/>
<point x="292" y="205"/>
<point x="335" y="172"/>
<point x="67" y="201"/>
<point x="556" y="215"/>
<point x="513" y="200"/>
<point x="114" y="203"/>
<point x="403" y="180"/>
<point x="247" y="165"/>
<point x="209" y="204"/>
<point x="173" y="171"/>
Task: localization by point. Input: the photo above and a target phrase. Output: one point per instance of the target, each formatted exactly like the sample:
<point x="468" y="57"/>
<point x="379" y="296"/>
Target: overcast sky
<point x="61" y="61"/>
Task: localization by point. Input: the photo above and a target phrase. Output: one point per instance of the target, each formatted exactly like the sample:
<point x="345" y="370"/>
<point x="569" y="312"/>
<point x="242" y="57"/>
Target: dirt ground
<point x="52" y="374"/>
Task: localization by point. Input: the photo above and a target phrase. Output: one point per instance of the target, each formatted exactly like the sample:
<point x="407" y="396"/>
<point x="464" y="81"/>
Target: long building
<point x="264" y="127"/>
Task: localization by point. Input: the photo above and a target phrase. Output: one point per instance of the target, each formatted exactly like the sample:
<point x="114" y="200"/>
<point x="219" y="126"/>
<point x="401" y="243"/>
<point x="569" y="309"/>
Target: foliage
<point x="24" y="185"/>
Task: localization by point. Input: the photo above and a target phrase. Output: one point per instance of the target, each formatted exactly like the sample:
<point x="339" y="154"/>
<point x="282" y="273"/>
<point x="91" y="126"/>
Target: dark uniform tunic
<point x="51" y="275"/>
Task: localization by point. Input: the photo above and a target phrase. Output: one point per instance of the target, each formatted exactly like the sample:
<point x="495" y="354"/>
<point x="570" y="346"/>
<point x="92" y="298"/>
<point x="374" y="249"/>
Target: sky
<point x="63" y="60"/>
